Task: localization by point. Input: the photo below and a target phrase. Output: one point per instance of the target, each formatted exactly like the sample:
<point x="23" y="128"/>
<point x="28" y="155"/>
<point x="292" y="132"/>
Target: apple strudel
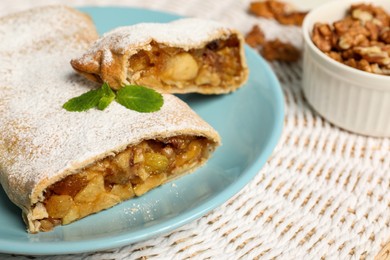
<point x="183" y="56"/>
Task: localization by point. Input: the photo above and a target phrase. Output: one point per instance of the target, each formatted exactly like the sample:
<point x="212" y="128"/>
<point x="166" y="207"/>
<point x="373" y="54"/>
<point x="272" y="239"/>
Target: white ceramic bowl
<point x="352" y="99"/>
<point x="306" y="5"/>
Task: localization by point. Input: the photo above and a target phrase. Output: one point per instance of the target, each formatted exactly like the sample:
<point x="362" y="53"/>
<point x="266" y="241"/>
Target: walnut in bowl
<point x="345" y="67"/>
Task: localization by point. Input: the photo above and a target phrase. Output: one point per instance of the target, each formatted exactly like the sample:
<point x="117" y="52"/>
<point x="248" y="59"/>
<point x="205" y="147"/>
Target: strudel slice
<point x="60" y="166"/>
<point x="184" y="56"/>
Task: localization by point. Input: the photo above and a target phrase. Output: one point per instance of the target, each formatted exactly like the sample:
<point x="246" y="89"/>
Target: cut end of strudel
<point x="59" y="166"/>
<point x="184" y="56"/>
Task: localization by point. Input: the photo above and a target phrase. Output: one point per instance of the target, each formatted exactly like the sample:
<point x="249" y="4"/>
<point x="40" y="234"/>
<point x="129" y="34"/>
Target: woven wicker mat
<point x="323" y="194"/>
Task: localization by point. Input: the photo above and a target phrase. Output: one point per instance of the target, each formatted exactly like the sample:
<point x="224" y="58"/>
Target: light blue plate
<point x="249" y="121"/>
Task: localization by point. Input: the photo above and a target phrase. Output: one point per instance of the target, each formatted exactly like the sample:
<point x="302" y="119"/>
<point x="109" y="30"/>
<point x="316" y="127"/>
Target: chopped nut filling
<point x="218" y="64"/>
<point x="130" y="173"/>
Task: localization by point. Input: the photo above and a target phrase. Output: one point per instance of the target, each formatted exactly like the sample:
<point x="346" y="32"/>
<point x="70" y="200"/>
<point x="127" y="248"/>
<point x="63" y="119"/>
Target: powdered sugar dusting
<point x="38" y="138"/>
<point x="185" y="33"/>
<point x="17" y="33"/>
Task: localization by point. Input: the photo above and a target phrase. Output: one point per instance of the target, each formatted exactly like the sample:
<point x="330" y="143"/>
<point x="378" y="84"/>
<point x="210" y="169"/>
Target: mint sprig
<point x="139" y="98"/>
<point x="84" y="102"/>
<point x="134" y="97"/>
<point x="107" y="97"/>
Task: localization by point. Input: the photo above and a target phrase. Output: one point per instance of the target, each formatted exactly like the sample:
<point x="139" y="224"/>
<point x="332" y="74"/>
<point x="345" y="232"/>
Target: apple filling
<point x="129" y="173"/>
<point x="217" y="64"/>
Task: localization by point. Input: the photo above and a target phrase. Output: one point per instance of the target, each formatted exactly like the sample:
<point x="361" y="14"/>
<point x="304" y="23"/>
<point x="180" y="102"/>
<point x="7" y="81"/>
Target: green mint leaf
<point x="107" y="91"/>
<point x="104" y="102"/>
<point x="139" y="98"/>
<point x="133" y="97"/>
<point x="107" y="97"/>
<point x="84" y="102"/>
